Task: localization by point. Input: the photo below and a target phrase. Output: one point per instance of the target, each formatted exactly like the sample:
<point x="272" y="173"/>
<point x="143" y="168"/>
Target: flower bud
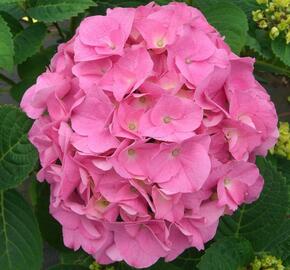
<point x="263" y="24"/>
<point x="288" y="37"/>
<point x="258" y="15"/>
<point x="274" y="32"/>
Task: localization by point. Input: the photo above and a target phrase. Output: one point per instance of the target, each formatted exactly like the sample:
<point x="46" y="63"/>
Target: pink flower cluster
<point x="147" y="127"/>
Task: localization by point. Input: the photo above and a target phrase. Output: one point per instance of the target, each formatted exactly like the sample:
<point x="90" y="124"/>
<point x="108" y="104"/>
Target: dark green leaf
<point x="259" y="221"/>
<point x="20" y="241"/>
<point x="28" y="42"/>
<point x="55" y="10"/>
<point x="49" y="227"/>
<point x="68" y="267"/>
<point x="189" y="259"/>
<point x="6" y="46"/>
<point x="18" y="90"/>
<point x="11" y="1"/>
<point x="281" y="50"/>
<point x="13" y="9"/>
<point x="14" y="25"/>
<point x="254" y="45"/>
<point x="280" y="244"/>
<point x="247" y="6"/>
<point x="17" y="156"/>
<point x="35" y="65"/>
<point x="283" y="165"/>
<point x="227" y="254"/>
<point x="76" y="258"/>
<point x="230" y="21"/>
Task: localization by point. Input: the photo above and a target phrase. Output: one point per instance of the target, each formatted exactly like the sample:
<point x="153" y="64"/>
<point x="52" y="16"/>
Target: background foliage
<point x="30" y="31"/>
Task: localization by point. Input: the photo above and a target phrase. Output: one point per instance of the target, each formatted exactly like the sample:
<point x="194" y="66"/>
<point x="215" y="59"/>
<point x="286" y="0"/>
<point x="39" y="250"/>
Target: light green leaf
<point x="230" y="21"/>
<point x="68" y="267"/>
<point x="6" y="46"/>
<point x="258" y="222"/>
<point x="17" y="156"/>
<point x="55" y="10"/>
<point x="28" y="42"/>
<point x="281" y="50"/>
<point x="227" y="254"/>
<point x="20" y="241"/>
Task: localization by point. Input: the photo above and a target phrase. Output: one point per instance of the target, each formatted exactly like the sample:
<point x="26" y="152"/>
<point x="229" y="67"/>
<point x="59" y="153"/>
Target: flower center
<point x="175" y="152"/>
<point x="167" y="119"/>
<point x="160" y="43"/>
<point x="142" y="99"/>
<point x="132" y="126"/>
<point x="103" y="203"/>
<point x="131" y="152"/>
<point x="113" y="46"/>
<point x="188" y="61"/>
<point x="227" y="182"/>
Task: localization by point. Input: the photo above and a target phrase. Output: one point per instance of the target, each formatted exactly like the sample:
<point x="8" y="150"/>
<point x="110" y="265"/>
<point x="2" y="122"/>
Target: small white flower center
<point x="175" y="152"/>
<point x="166" y="119"/>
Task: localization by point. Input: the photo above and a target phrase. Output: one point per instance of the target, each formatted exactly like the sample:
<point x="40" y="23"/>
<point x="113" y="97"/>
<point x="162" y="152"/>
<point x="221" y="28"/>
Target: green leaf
<point x="281" y="50"/>
<point x="161" y="265"/>
<point x="55" y="10"/>
<point x="76" y="258"/>
<point x="14" y="25"/>
<point x="50" y="229"/>
<point x="11" y="1"/>
<point x="280" y="244"/>
<point x="35" y="65"/>
<point x="68" y="267"/>
<point x="14" y="9"/>
<point x="189" y="259"/>
<point x="18" y="90"/>
<point x="254" y="45"/>
<point x="227" y="254"/>
<point x="28" y="42"/>
<point x="230" y="21"/>
<point x="283" y="165"/>
<point x="6" y="46"/>
<point x="258" y="222"/>
<point x="247" y="6"/>
<point x="17" y="156"/>
<point x="20" y="241"/>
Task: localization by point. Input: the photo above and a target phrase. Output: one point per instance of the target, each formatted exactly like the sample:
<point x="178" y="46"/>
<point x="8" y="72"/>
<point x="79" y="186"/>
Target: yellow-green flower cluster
<point x="282" y="147"/>
<point x="274" y="16"/>
<point x="266" y="262"/>
<point x="96" y="266"/>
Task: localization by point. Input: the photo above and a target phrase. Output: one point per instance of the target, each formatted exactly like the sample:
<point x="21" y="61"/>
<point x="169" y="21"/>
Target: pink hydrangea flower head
<point x="147" y="128"/>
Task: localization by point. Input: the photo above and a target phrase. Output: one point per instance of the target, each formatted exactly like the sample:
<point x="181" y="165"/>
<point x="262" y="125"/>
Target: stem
<point x="59" y="30"/>
<point x="6" y="79"/>
<point x="265" y="66"/>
